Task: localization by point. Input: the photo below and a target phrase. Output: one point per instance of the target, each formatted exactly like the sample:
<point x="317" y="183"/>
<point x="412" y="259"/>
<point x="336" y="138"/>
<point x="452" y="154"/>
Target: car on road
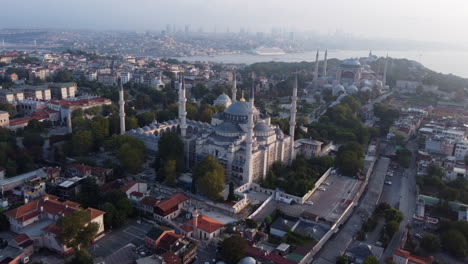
<point x="388" y="182"/>
<point x="321" y="189"/>
<point x="309" y="203"/>
<point x="418" y="236"/>
<point x="326" y="183"/>
<point x="389" y="174"/>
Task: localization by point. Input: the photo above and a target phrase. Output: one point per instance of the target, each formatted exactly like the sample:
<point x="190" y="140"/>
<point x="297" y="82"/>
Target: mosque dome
<point x="222" y="99"/>
<point x="248" y="260"/>
<point x="351" y="63"/>
<point x="263" y="130"/>
<point x="337" y="89"/>
<point x="240" y="108"/>
<point x="228" y="127"/>
<point x="352" y="89"/>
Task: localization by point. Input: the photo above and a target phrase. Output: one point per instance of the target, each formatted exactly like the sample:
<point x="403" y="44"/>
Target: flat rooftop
<point x="331" y="203"/>
<point x="35" y="229"/>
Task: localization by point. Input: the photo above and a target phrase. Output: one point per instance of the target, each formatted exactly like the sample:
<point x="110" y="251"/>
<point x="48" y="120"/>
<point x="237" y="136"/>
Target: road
<point x="340" y="242"/>
<point x="405" y="193"/>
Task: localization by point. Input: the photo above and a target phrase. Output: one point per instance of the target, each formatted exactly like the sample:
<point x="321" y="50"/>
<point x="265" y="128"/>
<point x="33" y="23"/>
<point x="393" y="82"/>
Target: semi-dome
<point x="240" y="109"/>
<point x="351" y="63"/>
<point x="247" y="260"/>
<point x="337" y="89"/>
<point x="263" y="130"/>
<point x="227" y="126"/>
<point x="352" y="89"/>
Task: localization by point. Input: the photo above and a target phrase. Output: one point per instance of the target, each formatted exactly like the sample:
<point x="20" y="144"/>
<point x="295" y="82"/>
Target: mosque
<point x="241" y="138"/>
<point x="351" y="77"/>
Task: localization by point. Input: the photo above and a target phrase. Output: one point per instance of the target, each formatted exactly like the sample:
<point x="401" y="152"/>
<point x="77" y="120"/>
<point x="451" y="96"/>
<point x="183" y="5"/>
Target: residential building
<point x="308" y="147"/>
<point x="202" y="227"/>
<point x="80" y="170"/>
<point x="11" y="95"/>
<point x="170" y="208"/>
<point x="63" y="90"/>
<point x="461" y="149"/>
<point x="37" y="219"/>
<point x="4" y="119"/>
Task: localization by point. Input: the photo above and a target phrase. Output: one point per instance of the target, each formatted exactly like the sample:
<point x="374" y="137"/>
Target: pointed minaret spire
<point x="316" y="69"/>
<point x="325" y="62"/>
<point x="384" y="79"/>
<point x="292" y="122"/>
<point x="121" y="107"/>
<point x="234" y="89"/>
<point x="182" y="110"/>
<point x="248" y="166"/>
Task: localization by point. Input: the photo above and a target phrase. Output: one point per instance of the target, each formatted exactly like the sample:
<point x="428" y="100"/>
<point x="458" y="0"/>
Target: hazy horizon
<point x="417" y="20"/>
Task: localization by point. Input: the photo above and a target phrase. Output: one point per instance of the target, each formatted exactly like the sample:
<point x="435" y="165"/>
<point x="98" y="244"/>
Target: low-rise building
<point x="202" y="227"/>
<point x="4" y="119"/>
<point x="11" y="95"/>
<point x="170" y="208"/>
<point x="401" y="256"/>
<point x="37" y="219"/>
<point x="63" y="90"/>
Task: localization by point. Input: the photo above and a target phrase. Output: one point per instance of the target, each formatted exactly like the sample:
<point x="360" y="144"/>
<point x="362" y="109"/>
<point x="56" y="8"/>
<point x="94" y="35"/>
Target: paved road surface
<point x="340" y="242"/>
<point x="407" y="200"/>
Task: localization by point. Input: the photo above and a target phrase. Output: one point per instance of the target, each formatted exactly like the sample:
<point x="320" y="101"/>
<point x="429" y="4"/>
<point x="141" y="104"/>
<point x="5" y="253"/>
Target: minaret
<point x="316" y="69"/>
<point x="234" y="89"/>
<point x="121" y="108"/>
<point x="384" y="79"/>
<point x="292" y="122"/>
<point x="249" y="139"/>
<point x="182" y="111"/>
<point x="69" y="123"/>
<point x="325" y="63"/>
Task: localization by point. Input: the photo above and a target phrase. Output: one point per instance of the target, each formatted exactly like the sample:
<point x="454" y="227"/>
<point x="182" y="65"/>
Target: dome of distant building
<point x="352" y="89"/>
<point x="337" y="89"/>
<point x="248" y="260"/>
<point x="351" y="63"/>
<point x="223" y="99"/>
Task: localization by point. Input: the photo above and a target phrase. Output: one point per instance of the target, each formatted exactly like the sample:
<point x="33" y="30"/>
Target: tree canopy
<point x="233" y="249"/>
<point x="209" y="177"/>
<point x="76" y="229"/>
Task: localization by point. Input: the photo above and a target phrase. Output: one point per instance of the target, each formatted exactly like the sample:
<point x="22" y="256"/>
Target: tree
<point x="371" y="260"/>
<point x="63" y="76"/>
<point x="33" y="139"/>
<point x="430" y="243"/>
<point x="82" y="142"/>
<point x="100" y="128"/>
<point x="454" y="241"/>
<point x="251" y="223"/>
<point x="170" y="147"/>
<point x="393" y="215"/>
<point x="170" y="172"/>
<point x="209" y="177"/>
<point x="89" y="195"/>
<point x="391" y="227"/>
<point x="82" y="256"/>
<point x="7" y="107"/>
<point x="4" y="223"/>
<point x="233" y="249"/>
<point x="342" y="260"/>
<point x="131" y="157"/>
<point x="76" y="229"/>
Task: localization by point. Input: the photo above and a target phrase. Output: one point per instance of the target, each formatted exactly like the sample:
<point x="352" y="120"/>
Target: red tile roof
<point x="171" y="258"/>
<point x="174" y="200"/>
<point x="95" y="212"/>
<point x="129" y="185"/>
<point x="168" y="240"/>
<point x="21" y="238"/>
<point x="267" y="257"/>
<point x="136" y="194"/>
<point x="204" y="223"/>
<point x="413" y="259"/>
<point x="52" y="228"/>
<point x="149" y="201"/>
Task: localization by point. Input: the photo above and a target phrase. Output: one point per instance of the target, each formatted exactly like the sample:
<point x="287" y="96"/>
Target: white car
<point x="321" y="189"/>
<point x="326" y="183"/>
<point x="388" y="182"/>
<point x="309" y="203"/>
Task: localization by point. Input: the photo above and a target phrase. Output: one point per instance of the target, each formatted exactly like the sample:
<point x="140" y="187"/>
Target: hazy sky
<point x="429" y="20"/>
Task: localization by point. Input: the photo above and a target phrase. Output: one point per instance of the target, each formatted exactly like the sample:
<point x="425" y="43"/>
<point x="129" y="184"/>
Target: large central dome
<point x="240" y="108"/>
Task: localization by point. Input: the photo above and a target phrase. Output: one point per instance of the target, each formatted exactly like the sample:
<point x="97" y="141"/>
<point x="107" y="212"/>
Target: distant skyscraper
<point x="168" y="28"/>
<point x="291" y="36"/>
<point x="187" y="29"/>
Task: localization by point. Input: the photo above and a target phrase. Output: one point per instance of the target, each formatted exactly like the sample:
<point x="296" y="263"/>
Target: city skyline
<point x="429" y="21"/>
